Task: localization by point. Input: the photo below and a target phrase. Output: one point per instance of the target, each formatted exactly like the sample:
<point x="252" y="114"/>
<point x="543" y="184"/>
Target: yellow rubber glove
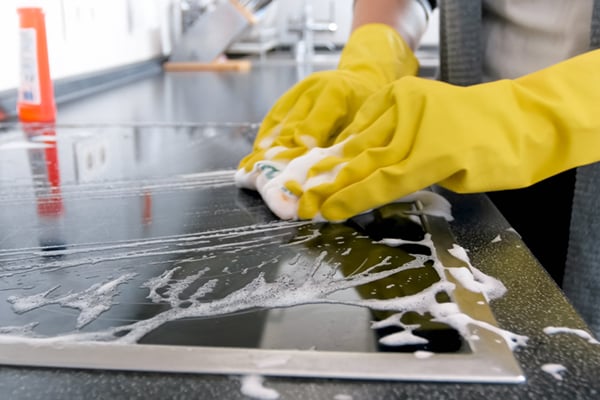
<point x="417" y="132"/>
<point x="319" y="107"/>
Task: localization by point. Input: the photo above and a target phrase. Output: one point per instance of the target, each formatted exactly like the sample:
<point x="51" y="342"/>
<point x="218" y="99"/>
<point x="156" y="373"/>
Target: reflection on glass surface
<point x="45" y="173"/>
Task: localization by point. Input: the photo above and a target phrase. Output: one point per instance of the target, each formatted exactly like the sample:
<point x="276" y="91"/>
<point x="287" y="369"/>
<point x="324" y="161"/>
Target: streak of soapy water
<point x="120" y="189"/>
<point x="16" y="261"/>
<point x="232" y="232"/>
<point x="59" y="265"/>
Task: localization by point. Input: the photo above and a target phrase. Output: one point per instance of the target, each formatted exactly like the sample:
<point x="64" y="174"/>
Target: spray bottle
<point x="36" y="94"/>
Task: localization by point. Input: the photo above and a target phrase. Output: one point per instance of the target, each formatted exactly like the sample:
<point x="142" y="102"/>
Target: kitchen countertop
<point x="532" y="301"/>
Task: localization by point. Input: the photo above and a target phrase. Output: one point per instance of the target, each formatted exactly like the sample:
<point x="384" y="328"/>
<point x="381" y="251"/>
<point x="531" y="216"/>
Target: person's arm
<point x="313" y="112"/>
<point x="408" y="17"/>
<point x="418" y="132"/>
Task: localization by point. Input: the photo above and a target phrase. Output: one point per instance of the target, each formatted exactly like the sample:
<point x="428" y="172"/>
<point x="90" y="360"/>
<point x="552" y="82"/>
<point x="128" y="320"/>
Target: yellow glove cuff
<point x="378" y="52"/>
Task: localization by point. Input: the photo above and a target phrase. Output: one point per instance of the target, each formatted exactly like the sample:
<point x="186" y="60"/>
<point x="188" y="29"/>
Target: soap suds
<point x="553" y="330"/>
<point x="269" y="178"/>
<point x="555" y="370"/>
<point x="422" y="354"/>
<point x="252" y="386"/>
<point x="475" y="280"/>
<point x="316" y="280"/>
<point x="91" y="302"/>
<point x="402" y="338"/>
<point x="395" y="242"/>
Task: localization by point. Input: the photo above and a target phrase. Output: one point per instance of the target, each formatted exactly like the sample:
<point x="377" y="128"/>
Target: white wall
<point x="85" y="36"/>
<point x="90" y="35"/>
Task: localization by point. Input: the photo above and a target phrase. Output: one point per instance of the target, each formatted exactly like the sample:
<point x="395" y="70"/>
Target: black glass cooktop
<point x="136" y="236"/>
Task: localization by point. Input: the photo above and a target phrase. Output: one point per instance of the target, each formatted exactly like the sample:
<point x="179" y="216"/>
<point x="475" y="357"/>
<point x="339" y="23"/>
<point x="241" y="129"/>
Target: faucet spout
<point x="304" y="49"/>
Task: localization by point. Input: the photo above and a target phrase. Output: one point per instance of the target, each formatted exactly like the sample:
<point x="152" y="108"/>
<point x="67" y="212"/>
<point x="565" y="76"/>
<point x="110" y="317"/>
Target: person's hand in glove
<point x="319" y="107"/>
<point x="417" y="132"/>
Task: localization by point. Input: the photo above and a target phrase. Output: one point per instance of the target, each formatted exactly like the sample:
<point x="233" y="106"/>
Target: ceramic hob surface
<point x="132" y="243"/>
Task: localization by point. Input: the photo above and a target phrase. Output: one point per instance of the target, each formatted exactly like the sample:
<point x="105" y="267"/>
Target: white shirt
<point x="522" y="36"/>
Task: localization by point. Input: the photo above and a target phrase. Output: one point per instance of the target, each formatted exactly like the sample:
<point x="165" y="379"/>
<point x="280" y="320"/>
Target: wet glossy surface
<point x="137" y="234"/>
<point x="532" y="302"/>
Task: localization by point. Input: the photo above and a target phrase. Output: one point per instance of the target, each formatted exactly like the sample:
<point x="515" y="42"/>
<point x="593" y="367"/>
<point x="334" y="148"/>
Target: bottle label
<point x="29" y="90"/>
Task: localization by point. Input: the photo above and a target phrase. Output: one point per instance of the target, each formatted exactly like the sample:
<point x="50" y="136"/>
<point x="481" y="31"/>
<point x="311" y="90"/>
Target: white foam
<point x="272" y="186"/>
<point x="462" y="322"/>
<point x="91" y="302"/>
<point x="21" y="304"/>
<point x="395" y="242"/>
<point x="466" y="279"/>
<point x="284" y="290"/>
<point x="402" y="338"/>
<point x="422" y="354"/>
<point x="392" y="320"/>
<point x="269" y="177"/>
<point x="245" y="179"/>
<point x="553" y="330"/>
<point x="473" y="279"/>
<point x="450" y="314"/>
<point x="494" y="288"/>
<point x="252" y="386"/>
<point x="460" y="253"/>
<point x="497" y="239"/>
<point x="555" y="370"/>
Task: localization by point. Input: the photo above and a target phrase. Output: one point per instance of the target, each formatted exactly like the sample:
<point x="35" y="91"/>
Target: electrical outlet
<point x="91" y="159"/>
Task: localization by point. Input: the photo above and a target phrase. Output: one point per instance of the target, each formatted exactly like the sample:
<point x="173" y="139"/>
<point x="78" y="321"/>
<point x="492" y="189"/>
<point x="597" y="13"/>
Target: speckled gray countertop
<point x="531" y="303"/>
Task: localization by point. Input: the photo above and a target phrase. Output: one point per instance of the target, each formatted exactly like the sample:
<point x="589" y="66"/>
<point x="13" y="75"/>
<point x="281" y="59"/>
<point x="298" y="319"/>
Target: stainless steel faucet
<point x="306" y="26"/>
